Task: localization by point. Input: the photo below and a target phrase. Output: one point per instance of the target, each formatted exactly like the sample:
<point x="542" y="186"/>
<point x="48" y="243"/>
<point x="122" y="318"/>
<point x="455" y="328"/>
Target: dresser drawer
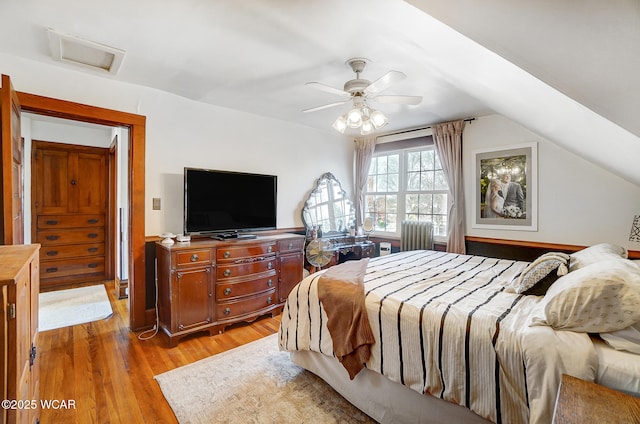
<point x="193" y="257"/>
<point x="80" y="235"/>
<point x="291" y="245"/>
<point x="229" y="291"/>
<point x="71" y="251"/>
<point x="65" y="268"/>
<point x="244" y="306"/>
<point x="240" y="252"/>
<point x="70" y="221"/>
<point x="227" y="271"/>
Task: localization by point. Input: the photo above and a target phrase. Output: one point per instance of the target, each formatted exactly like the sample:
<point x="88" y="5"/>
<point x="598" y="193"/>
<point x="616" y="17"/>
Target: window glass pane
<point x="412" y="204"/>
<point x="392" y="203"/>
<point x="393" y="164"/>
<point x="392" y="182"/>
<point x="426" y="205"/>
<point x="413" y="181"/>
<point x="373" y="168"/>
<point x="413" y="161"/>
<point x="426" y="182"/>
<point x="440" y="203"/>
<point x="427" y="160"/>
<point x="440" y="182"/>
<point x="440" y="225"/>
<point x="382" y="165"/>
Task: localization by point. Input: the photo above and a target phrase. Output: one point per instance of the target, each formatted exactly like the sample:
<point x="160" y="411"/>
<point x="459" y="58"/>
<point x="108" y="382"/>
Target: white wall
<point x="182" y="132"/>
<point x="578" y="203"/>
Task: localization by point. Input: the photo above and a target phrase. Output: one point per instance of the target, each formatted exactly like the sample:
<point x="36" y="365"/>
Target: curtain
<point x="364" y="153"/>
<point x="447" y="138"/>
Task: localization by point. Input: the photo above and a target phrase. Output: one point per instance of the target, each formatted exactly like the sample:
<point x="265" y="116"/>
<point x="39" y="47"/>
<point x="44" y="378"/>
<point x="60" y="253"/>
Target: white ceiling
<point x="571" y="63"/>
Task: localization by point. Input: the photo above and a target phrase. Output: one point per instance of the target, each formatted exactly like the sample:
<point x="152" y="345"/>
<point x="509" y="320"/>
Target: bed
<point x="456" y="339"/>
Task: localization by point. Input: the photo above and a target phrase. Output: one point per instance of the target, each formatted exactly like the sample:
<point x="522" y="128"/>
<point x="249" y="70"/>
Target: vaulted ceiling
<point x="566" y="70"/>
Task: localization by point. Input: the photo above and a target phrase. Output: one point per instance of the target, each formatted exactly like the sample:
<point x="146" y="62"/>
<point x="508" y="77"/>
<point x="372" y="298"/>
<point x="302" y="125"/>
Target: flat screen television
<point x="226" y="204"/>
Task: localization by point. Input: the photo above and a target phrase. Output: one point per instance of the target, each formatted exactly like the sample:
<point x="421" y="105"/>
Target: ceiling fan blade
<point x="327" y="88"/>
<point x="313" y="109"/>
<point x="403" y="100"/>
<point x="384" y="82"/>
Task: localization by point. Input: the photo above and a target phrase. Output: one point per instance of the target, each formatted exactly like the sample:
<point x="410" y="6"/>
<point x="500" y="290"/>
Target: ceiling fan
<point x="359" y="91"/>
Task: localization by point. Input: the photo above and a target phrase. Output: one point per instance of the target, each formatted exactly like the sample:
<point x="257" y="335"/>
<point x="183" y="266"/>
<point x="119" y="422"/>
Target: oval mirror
<point x="367" y="224"/>
<point x="328" y="206"/>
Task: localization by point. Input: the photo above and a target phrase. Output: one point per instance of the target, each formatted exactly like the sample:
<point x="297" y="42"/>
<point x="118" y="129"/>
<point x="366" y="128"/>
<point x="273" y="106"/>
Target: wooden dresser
<point x="19" y="280"/>
<point x="206" y="285"/>
<point x="70" y="208"/>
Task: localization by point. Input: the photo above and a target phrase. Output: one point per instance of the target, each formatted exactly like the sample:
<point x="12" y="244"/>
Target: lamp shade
<point x="354" y="118"/>
<point x="378" y="119"/>
<point x="367" y="127"/>
<point x="340" y="124"/>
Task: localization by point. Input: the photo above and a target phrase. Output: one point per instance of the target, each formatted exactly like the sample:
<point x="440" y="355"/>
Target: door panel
<point x="11" y="230"/>
<point x="91" y="187"/>
<point x="52" y="180"/>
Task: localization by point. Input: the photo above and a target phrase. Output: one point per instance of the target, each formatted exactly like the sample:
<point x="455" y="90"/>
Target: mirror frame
<point x="334" y="229"/>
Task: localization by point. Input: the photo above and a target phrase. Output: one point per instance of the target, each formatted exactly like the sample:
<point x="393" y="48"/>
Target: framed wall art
<point x="506" y="188"/>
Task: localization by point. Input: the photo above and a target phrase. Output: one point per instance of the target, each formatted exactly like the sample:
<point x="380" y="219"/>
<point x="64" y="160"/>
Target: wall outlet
<point x="156" y="203"/>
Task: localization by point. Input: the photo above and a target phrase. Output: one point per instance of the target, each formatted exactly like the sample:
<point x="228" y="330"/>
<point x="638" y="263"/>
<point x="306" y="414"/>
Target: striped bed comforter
<point x="444" y="326"/>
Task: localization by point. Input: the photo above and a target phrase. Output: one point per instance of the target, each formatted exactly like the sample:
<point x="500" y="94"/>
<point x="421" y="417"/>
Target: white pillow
<point x="601" y="297"/>
<point x="626" y="339"/>
<point x="596" y="253"/>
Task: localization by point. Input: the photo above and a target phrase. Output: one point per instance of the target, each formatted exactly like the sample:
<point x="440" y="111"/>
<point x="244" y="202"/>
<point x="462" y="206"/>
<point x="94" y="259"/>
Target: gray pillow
<point x="536" y="278"/>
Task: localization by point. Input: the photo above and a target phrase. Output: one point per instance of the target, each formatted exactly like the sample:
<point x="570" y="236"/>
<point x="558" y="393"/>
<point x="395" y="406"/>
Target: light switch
<point x="156" y="203"/>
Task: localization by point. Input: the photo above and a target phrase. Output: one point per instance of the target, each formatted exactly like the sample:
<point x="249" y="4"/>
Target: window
<point x="407" y="184"/>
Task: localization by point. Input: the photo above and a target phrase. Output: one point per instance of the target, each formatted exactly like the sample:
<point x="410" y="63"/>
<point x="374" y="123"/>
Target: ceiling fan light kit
<point x="361" y="115"/>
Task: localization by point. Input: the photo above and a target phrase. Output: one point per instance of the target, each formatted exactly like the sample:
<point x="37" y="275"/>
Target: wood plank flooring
<point x="108" y="373"/>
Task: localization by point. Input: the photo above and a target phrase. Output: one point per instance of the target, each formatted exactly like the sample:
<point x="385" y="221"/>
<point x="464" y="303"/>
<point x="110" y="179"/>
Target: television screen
<point x="222" y="201"/>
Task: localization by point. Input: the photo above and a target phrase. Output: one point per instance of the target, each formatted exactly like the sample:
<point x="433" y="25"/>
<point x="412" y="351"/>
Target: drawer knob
<point x="270" y="249"/>
<point x="92" y="235"/>
<point x="269" y="300"/>
<point x="52" y="253"/>
<point x="194" y="257"/>
<point x="52" y="222"/>
<point x="93" y="265"/>
<point x="92" y="249"/>
<point x="227" y="291"/>
<point x="53" y="269"/>
<point x="226" y="311"/>
<point x="226" y="272"/>
<point x="270" y="265"/>
<point x="52" y="237"/>
<point x="270" y="282"/>
<point x="92" y="221"/>
<point x="226" y="254"/>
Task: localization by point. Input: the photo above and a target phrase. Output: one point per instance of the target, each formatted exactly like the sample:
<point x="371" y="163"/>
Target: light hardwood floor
<point x="108" y="372"/>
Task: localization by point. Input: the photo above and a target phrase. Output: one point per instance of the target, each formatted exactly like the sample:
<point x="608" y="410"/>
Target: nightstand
<point x="581" y="402"/>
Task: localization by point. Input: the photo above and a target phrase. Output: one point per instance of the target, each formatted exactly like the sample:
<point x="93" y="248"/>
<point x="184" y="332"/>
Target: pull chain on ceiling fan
<point x="359" y="91"/>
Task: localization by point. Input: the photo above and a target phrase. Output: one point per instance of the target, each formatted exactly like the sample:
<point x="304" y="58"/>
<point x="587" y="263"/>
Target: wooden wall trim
<point x="137" y="131"/>
<point x="633" y="254"/>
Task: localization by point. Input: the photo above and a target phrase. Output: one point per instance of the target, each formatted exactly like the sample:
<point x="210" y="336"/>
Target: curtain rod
<point x="418" y="129"/>
<point x="424" y="128"/>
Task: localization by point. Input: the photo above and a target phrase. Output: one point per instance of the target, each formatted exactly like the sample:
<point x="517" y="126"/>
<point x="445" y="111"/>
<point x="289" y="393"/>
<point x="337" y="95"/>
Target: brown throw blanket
<point x="341" y="291"/>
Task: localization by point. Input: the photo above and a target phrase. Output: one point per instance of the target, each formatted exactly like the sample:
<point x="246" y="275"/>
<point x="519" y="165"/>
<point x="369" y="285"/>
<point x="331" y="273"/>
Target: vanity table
<point x="329" y="216"/>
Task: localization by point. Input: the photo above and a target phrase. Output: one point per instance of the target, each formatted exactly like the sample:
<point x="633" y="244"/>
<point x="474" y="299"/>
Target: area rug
<point x="253" y="383"/>
<point x="64" y="308"/>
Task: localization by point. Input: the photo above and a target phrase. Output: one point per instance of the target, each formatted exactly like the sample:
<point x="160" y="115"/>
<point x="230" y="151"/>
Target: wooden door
<point x="70" y="194"/>
<point x="11" y="225"/>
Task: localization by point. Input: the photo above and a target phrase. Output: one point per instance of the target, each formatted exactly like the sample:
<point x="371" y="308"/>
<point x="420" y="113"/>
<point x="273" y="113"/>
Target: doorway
<point x="140" y="316"/>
